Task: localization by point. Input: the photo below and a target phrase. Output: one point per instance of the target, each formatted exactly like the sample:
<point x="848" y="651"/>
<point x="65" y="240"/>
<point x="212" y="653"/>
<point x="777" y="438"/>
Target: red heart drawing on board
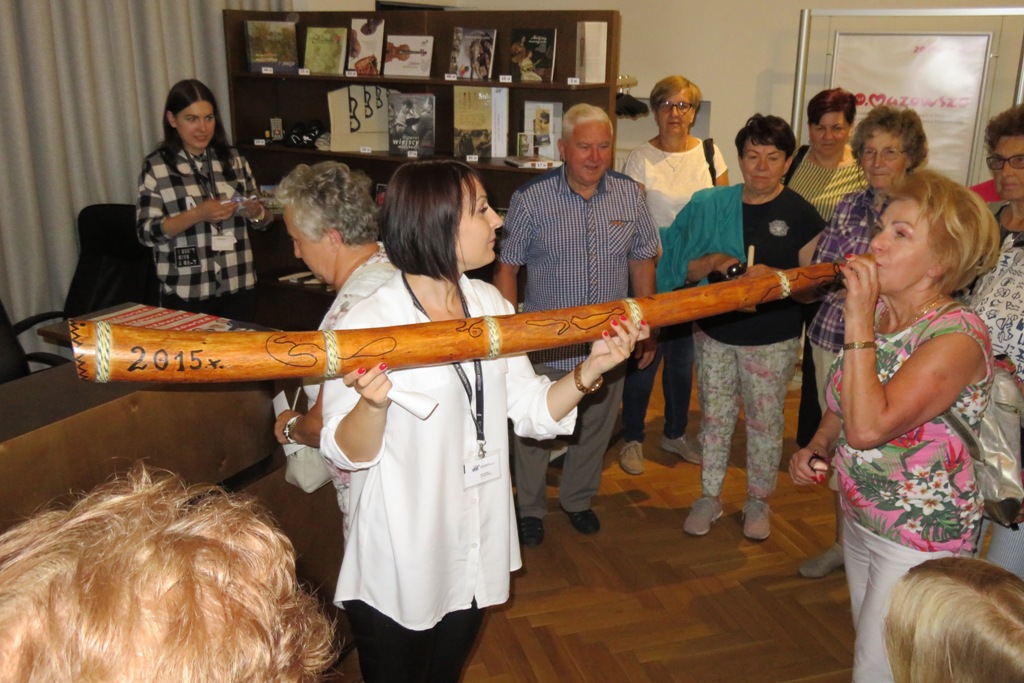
<point x="876" y="99"/>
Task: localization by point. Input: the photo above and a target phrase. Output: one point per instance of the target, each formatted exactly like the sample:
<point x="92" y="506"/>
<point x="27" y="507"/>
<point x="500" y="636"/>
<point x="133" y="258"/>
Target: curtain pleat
<point x="82" y="85"/>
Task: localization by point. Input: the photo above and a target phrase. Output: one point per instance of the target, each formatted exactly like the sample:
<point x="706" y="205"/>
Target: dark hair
<point x="1007" y="124"/>
<point x="766" y="130"/>
<point x="419" y="222"/>
<point x="904" y="124"/>
<point x="183" y="95"/>
<point x="828" y="101"/>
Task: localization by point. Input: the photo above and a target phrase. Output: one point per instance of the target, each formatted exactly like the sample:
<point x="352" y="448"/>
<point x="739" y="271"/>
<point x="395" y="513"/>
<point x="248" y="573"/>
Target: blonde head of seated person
<point x="956" y="620"/>
<point x="147" y="579"/>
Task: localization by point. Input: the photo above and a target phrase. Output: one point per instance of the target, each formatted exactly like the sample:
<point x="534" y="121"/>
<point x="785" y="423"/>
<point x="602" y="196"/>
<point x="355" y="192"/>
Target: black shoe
<point x="584" y="521"/>
<point x="531" y="531"/>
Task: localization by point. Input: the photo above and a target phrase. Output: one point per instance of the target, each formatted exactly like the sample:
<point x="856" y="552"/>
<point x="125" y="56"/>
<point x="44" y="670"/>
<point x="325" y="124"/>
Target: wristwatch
<point x="287" y="431"/>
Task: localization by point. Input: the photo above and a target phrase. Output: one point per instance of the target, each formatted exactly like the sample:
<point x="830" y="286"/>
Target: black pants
<point x="240" y="305"/>
<point x="391" y="653"/>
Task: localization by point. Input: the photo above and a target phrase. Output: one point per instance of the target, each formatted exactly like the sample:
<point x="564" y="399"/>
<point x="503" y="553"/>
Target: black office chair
<point x="113" y="267"/>
<point x="14" y="362"/>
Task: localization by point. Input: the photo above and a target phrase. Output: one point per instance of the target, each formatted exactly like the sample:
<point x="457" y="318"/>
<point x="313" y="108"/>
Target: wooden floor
<point x="642" y="601"/>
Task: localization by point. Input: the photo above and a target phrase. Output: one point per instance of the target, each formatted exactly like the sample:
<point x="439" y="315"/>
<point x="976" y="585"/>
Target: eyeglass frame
<point x="682" y="107"/>
<point x="1016" y="161"/>
<point x="888" y="154"/>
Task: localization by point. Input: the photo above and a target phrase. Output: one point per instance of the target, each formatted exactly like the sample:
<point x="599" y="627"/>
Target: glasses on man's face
<point x="681" y="107"/>
<point x="887" y="154"/>
<point x="996" y="162"/>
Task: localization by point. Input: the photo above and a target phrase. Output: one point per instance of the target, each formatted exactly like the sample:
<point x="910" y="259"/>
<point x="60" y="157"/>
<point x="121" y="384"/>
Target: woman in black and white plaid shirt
<point x="196" y="197"/>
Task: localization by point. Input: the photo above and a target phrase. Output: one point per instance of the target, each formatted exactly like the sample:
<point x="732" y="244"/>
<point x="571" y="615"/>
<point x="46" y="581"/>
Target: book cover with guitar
<point x="532" y="55"/>
<point x="408" y="56"/>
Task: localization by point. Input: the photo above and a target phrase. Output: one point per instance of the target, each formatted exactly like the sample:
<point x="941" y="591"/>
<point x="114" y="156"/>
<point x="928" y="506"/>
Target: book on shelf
<point x="326" y="49"/>
<point x="410" y="124"/>
<point x="359" y="118"/>
<point x="480" y="119"/>
<point x="408" y="56"/>
<point x="591" y="51"/>
<point x="543" y="121"/>
<point x="378" y="195"/>
<point x="532" y="55"/>
<point x="271" y="45"/>
<point x="472" y="52"/>
<point x="366" y="46"/>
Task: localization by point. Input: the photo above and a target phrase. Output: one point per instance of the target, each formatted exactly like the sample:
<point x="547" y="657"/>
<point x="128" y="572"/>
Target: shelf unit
<point x="256" y="97"/>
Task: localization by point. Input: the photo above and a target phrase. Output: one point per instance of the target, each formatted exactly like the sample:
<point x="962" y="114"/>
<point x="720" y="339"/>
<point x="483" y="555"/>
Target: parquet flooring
<point x="642" y="602"/>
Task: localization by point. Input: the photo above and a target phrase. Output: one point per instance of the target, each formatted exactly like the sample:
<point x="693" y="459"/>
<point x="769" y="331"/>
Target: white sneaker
<point x="703" y="514"/>
<point x="631" y="458"/>
<point x="684" y="446"/>
<point x="756" y="525"/>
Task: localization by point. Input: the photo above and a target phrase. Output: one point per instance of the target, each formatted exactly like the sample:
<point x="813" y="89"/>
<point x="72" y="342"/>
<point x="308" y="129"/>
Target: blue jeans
<point x="675" y="345"/>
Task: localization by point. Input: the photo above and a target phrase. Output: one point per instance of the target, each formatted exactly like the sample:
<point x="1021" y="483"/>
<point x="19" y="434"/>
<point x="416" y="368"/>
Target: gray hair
<point x="329" y="196"/>
<point x="583" y="113"/>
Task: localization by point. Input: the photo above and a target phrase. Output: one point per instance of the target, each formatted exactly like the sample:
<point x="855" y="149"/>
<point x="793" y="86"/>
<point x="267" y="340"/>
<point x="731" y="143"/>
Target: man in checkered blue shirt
<point x="585" y="236"/>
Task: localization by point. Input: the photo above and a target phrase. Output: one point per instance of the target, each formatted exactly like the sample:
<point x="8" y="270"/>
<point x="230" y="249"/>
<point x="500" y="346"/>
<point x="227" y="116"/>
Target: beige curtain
<point x="82" y="84"/>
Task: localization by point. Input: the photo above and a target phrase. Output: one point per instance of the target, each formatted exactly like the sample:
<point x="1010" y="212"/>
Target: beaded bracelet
<point x="577" y="375"/>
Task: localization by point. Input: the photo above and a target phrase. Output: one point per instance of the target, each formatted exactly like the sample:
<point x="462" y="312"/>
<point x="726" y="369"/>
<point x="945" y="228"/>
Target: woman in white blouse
<point x="432" y="534"/>
<point x="671" y="166"/>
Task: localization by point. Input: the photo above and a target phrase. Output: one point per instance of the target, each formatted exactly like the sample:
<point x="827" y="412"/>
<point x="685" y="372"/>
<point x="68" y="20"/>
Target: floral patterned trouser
<point x="759" y="374"/>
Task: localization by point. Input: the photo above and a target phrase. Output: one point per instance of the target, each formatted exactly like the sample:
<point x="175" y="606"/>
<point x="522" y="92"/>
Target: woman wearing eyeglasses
<point x="671" y="166"/>
<point x="998" y="297"/>
<point x="888" y="144"/>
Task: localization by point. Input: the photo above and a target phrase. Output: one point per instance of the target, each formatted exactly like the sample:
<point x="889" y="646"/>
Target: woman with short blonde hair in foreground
<point x="147" y="579"/>
<point x="956" y="620"/>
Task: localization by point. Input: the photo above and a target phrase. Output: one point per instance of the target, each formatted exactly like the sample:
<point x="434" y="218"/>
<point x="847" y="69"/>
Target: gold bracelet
<point x="852" y="346"/>
<point x="577" y="374"/>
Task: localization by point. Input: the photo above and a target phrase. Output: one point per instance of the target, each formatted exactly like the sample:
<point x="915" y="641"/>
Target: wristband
<point x="577" y="375"/>
<point x="853" y="346"/>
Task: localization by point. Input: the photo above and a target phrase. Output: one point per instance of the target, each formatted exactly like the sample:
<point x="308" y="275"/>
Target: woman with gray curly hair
<point x="332" y="221"/>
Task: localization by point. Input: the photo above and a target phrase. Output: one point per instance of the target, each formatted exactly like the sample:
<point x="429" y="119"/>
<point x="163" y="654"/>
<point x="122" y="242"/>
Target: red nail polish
<point x="643" y="322"/>
<point x="615" y="323"/>
<point x="623" y="318"/>
<point x="605" y="333"/>
<point x="850" y="255"/>
<point x="383" y="366"/>
<point x="361" y="371"/>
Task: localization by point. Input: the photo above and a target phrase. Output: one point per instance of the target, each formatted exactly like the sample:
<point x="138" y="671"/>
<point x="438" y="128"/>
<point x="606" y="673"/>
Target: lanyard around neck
<point x="478" y="415"/>
<point x="205" y="181"/>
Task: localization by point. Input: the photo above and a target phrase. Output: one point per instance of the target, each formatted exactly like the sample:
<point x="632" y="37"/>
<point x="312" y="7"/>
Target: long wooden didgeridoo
<point x="106" y="352"/>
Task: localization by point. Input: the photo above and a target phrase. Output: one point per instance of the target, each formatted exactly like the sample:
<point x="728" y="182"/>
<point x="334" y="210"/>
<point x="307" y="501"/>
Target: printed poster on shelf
<point x="938" y="76"/>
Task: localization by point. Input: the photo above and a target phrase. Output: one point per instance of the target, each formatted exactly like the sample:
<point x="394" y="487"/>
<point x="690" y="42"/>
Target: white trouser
<point x="873" y="566"/>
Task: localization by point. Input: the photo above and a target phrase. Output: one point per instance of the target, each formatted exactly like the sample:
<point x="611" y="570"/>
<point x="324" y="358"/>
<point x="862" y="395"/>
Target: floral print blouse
<point x="917" y="490"/>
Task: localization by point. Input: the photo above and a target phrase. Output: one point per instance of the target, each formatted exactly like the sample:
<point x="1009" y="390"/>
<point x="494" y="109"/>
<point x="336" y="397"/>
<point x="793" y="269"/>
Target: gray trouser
<point x="581" y="471"/>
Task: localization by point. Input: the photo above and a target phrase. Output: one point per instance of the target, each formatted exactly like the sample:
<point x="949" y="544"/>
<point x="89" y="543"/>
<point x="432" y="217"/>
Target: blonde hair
<point x="963" y="233"/>
<point x="149" y="579"/>
<point x="956" y="620"/>
<point x="670" y="85"/>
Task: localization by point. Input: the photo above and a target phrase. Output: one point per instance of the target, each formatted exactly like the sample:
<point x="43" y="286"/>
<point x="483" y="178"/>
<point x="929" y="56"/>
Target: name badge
<point x="480" y="470"/>
<point x="223" y="242"/>
<point x="186" y="257"/>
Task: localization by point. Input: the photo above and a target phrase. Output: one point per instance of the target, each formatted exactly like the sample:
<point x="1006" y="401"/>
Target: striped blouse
<point x="824" y="187"/>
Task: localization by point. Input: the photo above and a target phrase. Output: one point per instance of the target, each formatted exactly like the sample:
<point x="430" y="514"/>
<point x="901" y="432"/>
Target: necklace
<point x="921" y="312"/>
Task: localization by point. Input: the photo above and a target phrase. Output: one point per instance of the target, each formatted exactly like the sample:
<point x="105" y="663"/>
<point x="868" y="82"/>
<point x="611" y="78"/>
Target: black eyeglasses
<point x="681" y="107"/>
<point x="996" y="162"/>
